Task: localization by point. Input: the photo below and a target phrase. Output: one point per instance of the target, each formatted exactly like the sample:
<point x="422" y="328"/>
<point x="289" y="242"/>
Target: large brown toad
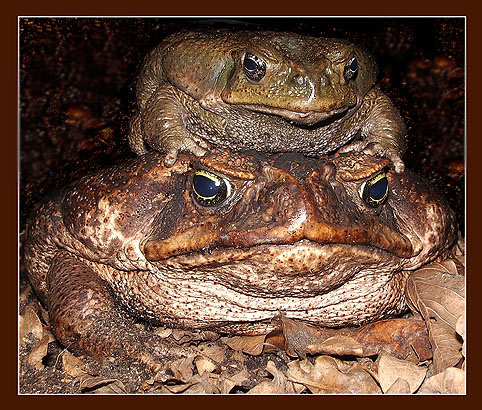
<point x="266" y="91"/>
<point x="227" y="242"/>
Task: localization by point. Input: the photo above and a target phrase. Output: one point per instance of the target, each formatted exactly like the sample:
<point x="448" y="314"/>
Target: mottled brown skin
<point x="193" y="90"/>
<point x="293" y="237"/>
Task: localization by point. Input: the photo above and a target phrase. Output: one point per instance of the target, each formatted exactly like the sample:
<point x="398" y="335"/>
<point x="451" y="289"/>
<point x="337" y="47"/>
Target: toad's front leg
<point x="86" y="319"/>
<point x="383" y="131"/>
<point x="160" y="125"/>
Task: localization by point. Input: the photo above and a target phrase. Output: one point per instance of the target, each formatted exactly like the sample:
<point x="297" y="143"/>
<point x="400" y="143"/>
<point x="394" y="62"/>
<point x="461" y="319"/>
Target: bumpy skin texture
<point x="193" y="90"/>
<point x="293" y="236"/>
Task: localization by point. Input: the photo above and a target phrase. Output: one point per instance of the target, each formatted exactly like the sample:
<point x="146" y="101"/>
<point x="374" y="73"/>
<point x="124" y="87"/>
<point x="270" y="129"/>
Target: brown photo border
<point x="9" y="167"/>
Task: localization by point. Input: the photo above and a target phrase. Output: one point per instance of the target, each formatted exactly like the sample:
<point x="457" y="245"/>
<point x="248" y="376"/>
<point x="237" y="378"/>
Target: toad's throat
<point x="207" y="236"/>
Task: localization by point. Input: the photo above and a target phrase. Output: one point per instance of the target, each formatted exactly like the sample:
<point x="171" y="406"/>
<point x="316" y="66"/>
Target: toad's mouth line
<point x="300" y="258"/>
<point x="199" y="239"/>
<point x="307" y="118"/>
<point x="303" y="117"/>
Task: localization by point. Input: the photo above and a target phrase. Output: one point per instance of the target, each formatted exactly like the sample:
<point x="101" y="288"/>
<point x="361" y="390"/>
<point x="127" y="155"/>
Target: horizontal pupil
<point x="250" y="64"/>
<point x="206" y="187"/>
<point x="379" y="189"/>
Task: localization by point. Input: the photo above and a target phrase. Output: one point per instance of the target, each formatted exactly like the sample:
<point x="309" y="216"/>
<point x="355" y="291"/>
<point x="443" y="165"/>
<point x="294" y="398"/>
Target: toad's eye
<point x="254" y="68"/>
<point x="375" y="190"/>
<point x="209" y="189"/>
<point x="351" y="68"/>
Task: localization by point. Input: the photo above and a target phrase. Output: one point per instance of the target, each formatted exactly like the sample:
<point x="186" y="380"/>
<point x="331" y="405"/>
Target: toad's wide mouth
<point x="205" y="237"/>
<point x="308" y="117"/>
<point x="303" y="269"/>
<point x="298" y="258"/>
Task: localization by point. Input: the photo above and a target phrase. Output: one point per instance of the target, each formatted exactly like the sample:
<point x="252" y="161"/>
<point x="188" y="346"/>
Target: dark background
<point x="77" y="90"/>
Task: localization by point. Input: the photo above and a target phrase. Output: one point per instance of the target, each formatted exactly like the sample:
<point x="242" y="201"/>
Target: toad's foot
<point x="174" y="145"/>
<point x="86" y="319"/>
<point x="377" y="148"/>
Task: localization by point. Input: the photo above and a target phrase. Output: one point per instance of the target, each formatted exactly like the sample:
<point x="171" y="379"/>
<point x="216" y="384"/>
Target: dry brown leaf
<point x="226" y="385"/>
<point x="182" y="369"/>
<point x="239" y="357"/>
<point x="218" y="383"/>
<point x="298" y="335"/>
<point x="240" y="377"/>
<point x="221" y="383"/>
<point x="447" y="349"/>
<point x="207" y="383"/>
<point x="439" y="289"/>
<point x="339" y="345"/>
<point x="450" y="381"/>
<point x="252" y="345"/>
<point x="275" y="341"/>
<point x="213" y="352"/>
<point x="265" y="387"/>
<point x="330" y="375"/>
<point x="460" y="250"/>
<point x="400" y="386"/>
<point x="101" y="385"/>
<point x="178" y="371"/>
<point x="390" y="369"/>
<point x="400" y="337"/>
<point x="113" y="386"/>
<point x="150" y="360"/>
<point x="279" y="384"/>
<point x="200" y="385"/>
<point x="204" y="364"/>
<point x="177" y="388"/>
<point x="38" y="353"/>
<point x="460" y="329"/>
<point x="182" y="336"/>
<point x="163" y="332"/>
<point x="438" y="293"/>
<point x="72" y="365"/>
<point x="30" y="323"/>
